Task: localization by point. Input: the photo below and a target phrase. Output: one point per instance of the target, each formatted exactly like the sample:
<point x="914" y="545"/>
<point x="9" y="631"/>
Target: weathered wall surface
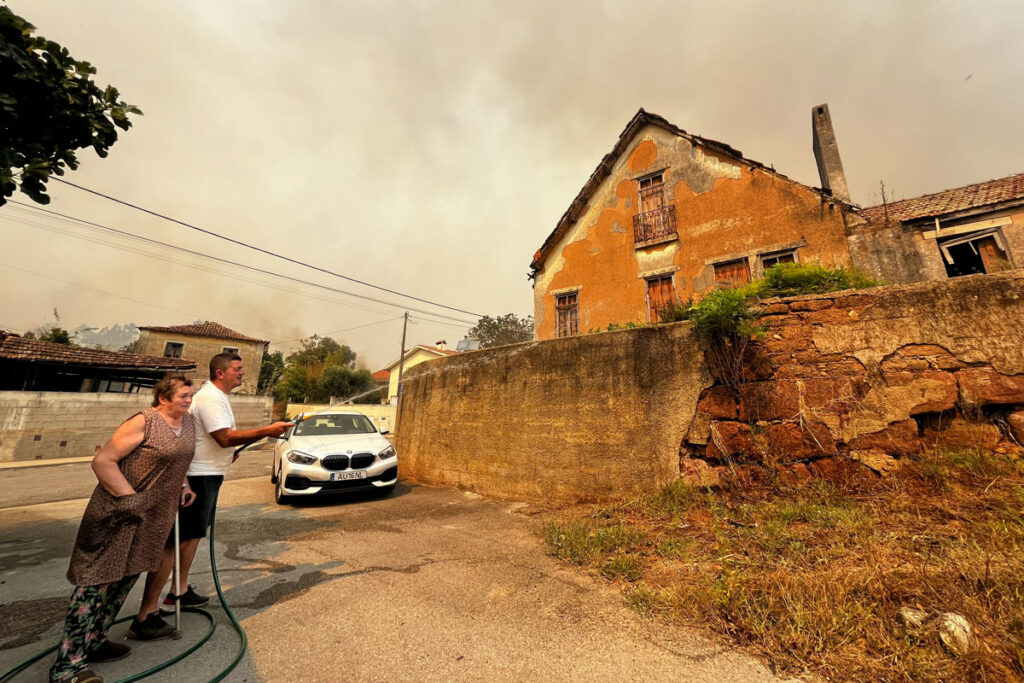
<point x="901" y="253"/>
<point x="583" y="418"/>
<point x="36" y="425"/>
<point x="725" y="210"/>
<point x="872" y="375"/>
<point x="844" y="381"/>
<point x="202" y="349"/>
<point x="382" y="415"/>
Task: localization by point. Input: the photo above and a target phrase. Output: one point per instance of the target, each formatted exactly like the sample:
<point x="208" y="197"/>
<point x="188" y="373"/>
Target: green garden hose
<point x="9" y="674"/>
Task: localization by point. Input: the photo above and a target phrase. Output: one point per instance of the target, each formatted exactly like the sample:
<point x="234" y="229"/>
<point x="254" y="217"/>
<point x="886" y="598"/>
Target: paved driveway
<point x="426" y="584"/>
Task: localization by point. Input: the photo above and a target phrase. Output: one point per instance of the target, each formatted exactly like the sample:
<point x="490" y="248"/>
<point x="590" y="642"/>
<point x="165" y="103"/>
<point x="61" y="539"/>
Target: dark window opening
<point x="660" y="295"/>
<point x="769" y="260"/>
<point x="173" y="349"/>
<point x="567" y="309"/>
<point x="230" y="349"/>
<point x="973" y="253"/>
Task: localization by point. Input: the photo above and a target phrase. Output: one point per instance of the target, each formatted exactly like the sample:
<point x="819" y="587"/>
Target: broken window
<point x="173" y="349"/>
<point x="655" y="219"/>
<point x="732" y="274"/>
<point x="775" y="258"/>
<point x="567" y="311"/>
<point x="976" y="252"/>
<point x="660" y="295"/>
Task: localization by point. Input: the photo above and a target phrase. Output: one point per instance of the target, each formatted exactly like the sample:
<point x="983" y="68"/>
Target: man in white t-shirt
<point x="216" y="440"/>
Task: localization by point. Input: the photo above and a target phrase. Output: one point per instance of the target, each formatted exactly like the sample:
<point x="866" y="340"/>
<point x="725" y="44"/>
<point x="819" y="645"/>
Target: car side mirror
<point x="385" y="430"/>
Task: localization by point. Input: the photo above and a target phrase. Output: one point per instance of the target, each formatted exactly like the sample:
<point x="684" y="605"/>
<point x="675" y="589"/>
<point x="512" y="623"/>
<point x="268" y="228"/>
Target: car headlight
<point x="301" y="458"/>
<point x="388" y="452"/>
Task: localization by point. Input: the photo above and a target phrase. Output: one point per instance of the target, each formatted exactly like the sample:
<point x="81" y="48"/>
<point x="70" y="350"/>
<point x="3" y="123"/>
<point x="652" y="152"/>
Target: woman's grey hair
<point x="166" y="387"/>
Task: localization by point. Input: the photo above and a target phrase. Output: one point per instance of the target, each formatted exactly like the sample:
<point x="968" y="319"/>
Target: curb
<point x="18" y="464"/>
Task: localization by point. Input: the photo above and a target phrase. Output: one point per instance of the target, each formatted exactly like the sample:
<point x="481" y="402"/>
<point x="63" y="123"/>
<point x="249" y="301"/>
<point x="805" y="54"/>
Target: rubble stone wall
<point x="868" y="377"/>
<point x="841" y="382"/>
<point x="37" y="425"/>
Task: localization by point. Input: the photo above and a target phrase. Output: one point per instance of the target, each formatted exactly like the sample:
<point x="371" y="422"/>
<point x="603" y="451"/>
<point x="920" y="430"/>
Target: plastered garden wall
<point x="36" y="425"/>
<point x="849" y="381"/>
<point x="591" y="417"/>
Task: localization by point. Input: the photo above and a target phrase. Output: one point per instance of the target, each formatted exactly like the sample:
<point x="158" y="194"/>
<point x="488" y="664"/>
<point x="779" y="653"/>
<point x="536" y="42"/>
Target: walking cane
<point x="177" y="581"/>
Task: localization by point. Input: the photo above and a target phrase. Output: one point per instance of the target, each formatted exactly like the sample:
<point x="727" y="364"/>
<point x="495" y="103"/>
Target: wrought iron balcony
<point x="657" y="224"/>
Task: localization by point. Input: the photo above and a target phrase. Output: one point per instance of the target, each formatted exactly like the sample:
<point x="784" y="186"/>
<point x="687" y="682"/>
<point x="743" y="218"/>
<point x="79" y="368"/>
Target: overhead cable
<point x="260" y="249"/>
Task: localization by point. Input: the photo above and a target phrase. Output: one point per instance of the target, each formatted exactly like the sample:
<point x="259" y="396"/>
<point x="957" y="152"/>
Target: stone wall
<point x="201" y="349"/>
<point x="868" y="377"/>
<point x="591" y="417"/>
<point x="36" y="425"/>
<point x="844" y="381"/>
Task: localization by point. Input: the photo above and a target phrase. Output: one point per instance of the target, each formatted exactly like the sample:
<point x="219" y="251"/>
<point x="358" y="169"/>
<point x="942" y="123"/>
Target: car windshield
<point x="330" y="425"/>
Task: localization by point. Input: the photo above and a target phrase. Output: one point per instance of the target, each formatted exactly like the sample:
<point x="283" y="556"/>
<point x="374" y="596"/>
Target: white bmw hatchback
<point x="333" y="452"/>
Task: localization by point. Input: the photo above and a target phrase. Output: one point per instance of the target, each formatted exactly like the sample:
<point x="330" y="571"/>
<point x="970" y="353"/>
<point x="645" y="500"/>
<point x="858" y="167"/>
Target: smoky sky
<point x="430" y="147"/>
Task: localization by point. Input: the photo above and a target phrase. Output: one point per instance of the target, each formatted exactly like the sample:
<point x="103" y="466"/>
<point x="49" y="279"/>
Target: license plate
<point x="344" y="476"/>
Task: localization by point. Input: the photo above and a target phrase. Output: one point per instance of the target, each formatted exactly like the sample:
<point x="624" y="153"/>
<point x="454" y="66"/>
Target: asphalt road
<point x="424" y="585"/>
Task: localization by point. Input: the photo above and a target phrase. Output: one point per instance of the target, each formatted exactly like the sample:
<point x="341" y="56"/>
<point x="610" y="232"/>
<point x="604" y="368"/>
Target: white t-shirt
<point x="211" y="411"/>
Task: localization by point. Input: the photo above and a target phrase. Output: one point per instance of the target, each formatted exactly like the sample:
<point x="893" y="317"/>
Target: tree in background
<point x="271" y="371"/>
<point x="49" y="107"/>
<point x="320" y="369"/>
<point x="507" y="329"/>
<point x="52" y="332"/>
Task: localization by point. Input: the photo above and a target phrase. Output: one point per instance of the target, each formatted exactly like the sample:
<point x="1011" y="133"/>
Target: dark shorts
<point x="197" y="517"/>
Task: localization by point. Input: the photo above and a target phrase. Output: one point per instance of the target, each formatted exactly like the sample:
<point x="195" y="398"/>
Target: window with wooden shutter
<point x="732" y="274"/>
<point x="660" y="295"/>
<point x="567" y="312"/>
<point x="654" y="220"/>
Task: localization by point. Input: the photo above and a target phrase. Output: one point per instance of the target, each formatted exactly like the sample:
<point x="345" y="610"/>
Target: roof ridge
<point x="948" y="189"/>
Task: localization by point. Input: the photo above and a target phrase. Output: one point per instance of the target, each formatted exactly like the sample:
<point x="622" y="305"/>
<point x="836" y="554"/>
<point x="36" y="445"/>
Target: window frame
<point x="229" y="349"/>
<point x="761" y="258"/>
<point x="570" y="311"/>
<point x="649" y="280"/>
<point x="179" y="347"/>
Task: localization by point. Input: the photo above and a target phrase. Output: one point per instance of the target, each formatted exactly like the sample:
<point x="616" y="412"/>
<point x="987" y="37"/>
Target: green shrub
<point x="792" y="279"/>
<point x="724" y="315"/>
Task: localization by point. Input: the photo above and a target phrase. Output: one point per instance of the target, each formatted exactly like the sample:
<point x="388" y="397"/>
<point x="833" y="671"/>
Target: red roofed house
<point x="974" y="229"/>
<point x="33" y="365"/>
<point x="200" y="342"/>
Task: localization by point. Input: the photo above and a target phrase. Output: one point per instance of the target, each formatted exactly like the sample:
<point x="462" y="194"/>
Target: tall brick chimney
<point x="826" y="153"/>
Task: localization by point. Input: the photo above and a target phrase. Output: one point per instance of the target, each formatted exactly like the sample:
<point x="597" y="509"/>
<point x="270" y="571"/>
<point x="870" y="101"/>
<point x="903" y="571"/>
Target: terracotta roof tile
<point x="205" y="329"/>
<point x="381" y="375"/>
<point x="950" y="201"/>
<point x="13" y="347"/>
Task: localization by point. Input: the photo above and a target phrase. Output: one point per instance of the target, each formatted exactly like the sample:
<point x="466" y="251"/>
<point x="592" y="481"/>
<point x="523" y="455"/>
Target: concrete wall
<point x="846" y="379"/>
<point x="590" y="417"/>
<point x="202" y="349"/>
<point x="36" y="425"/>
<point x="382" y="415"/>
<point x="724" y="211"/>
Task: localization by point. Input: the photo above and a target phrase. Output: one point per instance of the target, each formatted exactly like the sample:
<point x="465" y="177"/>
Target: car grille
<point x="335" y="462"/>
<point x="359" y="461"/>
<point x="362" y="460"/>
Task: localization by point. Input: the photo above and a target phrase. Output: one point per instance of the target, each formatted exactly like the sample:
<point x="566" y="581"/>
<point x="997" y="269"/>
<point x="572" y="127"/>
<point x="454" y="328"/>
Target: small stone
<point x="912" y="617"/>
<point x="955" y="633"/>
<point x="879" y="462"/>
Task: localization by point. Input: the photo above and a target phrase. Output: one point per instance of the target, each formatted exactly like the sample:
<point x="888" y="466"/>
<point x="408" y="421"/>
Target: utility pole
<point x="401" y="368"/>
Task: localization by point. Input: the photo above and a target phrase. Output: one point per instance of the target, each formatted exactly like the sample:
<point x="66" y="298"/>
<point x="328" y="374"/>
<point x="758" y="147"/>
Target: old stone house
<point x="974" y="229"/>
<point x="199" y="342"/>
<point x="668" y="216"/>
<point x="33" y="365"/>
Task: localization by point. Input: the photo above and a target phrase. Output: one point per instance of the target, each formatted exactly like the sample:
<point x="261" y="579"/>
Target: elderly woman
<point x="126" y="524"/>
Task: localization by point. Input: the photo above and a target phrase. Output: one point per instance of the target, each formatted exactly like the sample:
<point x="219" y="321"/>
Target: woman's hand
<point x="188" y="496"/>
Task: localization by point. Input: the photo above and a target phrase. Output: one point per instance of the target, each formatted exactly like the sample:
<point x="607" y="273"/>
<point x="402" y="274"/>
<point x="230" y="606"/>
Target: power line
<point x="236" y="264"/>
<point x="347" y="329"/>
<point x="260" y="249"/>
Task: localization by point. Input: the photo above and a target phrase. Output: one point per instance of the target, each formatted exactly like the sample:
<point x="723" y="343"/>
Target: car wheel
<point x="280" y="497"/>
<point x="273" y="475"/>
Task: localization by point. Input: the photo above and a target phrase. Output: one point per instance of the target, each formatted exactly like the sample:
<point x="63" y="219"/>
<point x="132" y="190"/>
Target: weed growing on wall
<point x="793" y="279"/>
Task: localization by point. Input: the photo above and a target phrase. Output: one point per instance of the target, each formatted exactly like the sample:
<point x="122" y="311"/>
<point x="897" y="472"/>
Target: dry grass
<point x="814" y="578"/>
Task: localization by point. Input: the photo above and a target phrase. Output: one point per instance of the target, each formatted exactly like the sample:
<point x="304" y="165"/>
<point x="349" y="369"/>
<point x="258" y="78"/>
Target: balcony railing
<point x="657" y="224"/>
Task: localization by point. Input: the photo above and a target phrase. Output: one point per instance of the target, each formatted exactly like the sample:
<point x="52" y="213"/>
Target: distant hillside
<point x="112" y="338"/>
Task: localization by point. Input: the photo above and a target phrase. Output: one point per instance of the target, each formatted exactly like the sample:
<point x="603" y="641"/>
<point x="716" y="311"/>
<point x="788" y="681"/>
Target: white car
<point x="333" y="452"/>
